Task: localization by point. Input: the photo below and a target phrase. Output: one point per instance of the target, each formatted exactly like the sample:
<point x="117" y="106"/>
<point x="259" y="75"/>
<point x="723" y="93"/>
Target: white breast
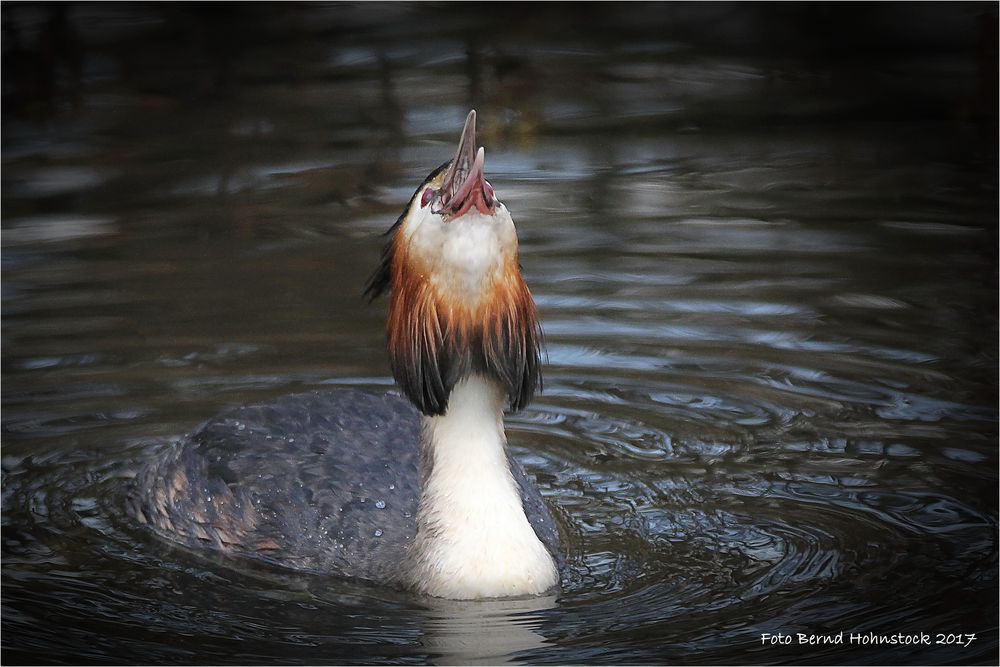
<point x="473" y="538"/>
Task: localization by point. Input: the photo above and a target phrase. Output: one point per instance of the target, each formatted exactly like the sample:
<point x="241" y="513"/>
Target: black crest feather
<point x="381" y="279"/>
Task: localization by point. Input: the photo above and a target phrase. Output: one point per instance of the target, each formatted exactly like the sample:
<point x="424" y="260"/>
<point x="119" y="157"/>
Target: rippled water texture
<point x="763" y="241"/>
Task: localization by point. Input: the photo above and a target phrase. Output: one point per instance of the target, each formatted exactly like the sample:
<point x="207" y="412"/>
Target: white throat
<point x="473" y="539"/>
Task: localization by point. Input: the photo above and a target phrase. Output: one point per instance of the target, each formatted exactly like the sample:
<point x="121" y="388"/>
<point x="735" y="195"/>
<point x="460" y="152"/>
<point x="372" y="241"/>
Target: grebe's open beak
<point x="465" y="186"/>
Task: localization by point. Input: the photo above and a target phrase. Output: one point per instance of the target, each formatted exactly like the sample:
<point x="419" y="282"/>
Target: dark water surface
<point x="765" y="259"/>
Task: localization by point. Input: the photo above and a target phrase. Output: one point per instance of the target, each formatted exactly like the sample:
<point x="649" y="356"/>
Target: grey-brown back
<point x="326" y="482"/>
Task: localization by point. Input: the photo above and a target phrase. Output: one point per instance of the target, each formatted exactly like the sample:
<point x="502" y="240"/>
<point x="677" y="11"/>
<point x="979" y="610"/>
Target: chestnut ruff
<point x="436" y="339"/>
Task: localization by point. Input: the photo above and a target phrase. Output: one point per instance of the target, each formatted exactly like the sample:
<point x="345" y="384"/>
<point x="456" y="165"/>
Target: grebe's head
<point x="458" y="303"/>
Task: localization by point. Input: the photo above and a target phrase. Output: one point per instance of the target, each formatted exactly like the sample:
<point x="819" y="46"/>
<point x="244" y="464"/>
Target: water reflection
<point x="493" y="632"/>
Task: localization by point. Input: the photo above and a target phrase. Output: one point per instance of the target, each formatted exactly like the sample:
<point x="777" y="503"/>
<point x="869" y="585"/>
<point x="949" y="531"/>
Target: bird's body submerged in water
<point x="418" y="492"/>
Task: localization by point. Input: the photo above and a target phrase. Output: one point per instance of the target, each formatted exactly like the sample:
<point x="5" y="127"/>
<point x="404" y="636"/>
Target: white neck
<point x="473" y="539"/>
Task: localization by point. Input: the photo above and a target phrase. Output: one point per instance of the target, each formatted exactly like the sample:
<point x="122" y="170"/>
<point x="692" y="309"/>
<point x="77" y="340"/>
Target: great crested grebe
<point x="419" y="493"/>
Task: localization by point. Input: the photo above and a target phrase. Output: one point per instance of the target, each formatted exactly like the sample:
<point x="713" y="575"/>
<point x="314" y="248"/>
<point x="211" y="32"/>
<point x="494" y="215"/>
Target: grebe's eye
<point x="426" y="197"/>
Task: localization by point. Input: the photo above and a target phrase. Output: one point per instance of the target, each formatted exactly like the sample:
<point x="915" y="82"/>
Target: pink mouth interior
<point x="475" y="191"/>
<point x="464" y="186"/>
